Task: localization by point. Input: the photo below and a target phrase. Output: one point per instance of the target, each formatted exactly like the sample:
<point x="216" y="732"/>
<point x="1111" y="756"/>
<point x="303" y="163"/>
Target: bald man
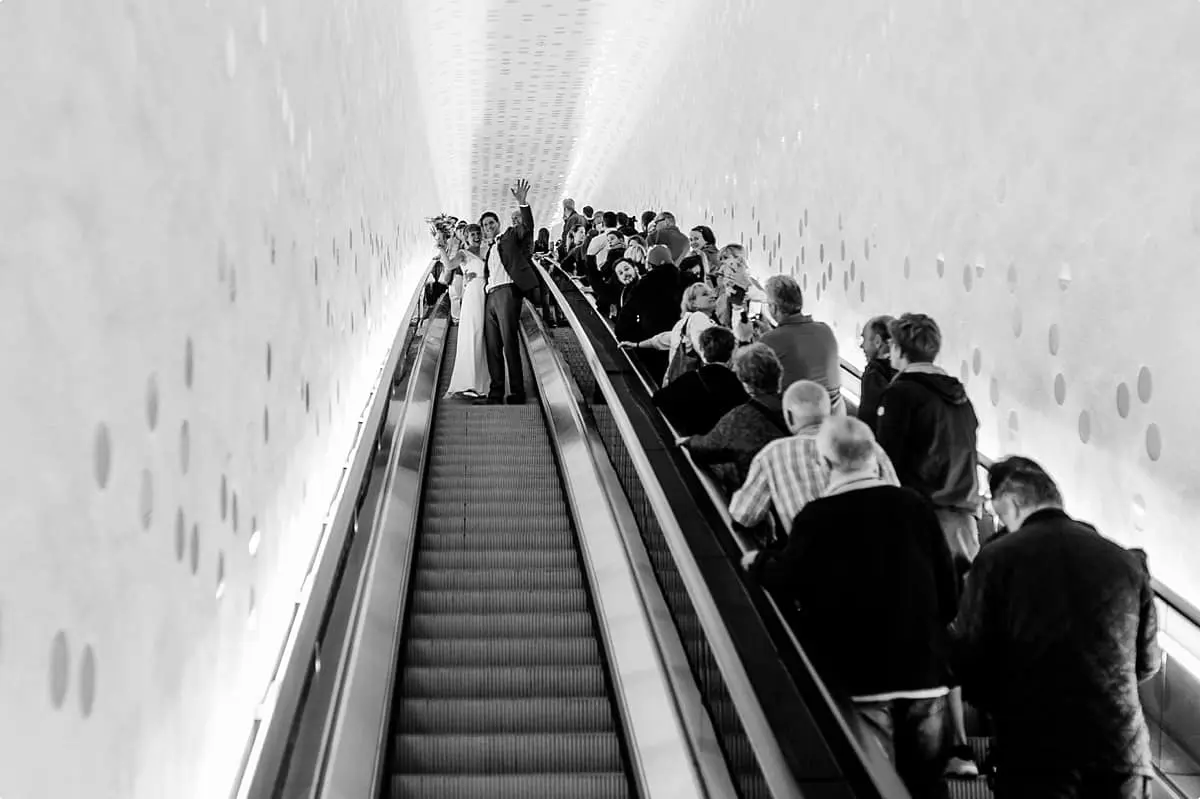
<point x="788" y="473"/>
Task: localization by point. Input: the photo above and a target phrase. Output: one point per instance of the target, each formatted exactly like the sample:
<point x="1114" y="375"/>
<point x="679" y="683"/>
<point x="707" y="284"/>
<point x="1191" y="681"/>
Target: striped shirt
<point x="789" y="473"/>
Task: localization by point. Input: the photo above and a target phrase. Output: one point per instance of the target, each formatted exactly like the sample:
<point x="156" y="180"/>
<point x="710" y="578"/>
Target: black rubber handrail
<point x="750" y="611"/>
<point x="1164" y="593"/>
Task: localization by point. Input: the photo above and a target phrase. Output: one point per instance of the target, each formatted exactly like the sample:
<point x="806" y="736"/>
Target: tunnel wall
<point x="1026" y="173"/>
<point x="210" y="218"/>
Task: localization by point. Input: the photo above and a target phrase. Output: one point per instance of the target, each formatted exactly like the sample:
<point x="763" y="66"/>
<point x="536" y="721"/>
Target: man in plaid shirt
<point x="789" y="472"/>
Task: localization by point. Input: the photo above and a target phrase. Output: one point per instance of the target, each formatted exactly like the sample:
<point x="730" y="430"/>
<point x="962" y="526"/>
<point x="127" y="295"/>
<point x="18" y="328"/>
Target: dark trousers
<point x="501" y="339"/>
<point x="1013" y="782"/>
<point x="910" y="732"/>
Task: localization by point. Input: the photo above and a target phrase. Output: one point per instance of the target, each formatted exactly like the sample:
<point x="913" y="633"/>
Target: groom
<point x="509" y="276"/>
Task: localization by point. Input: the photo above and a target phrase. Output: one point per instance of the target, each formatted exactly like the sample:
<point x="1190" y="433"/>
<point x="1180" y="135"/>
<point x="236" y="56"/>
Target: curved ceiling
<point x="549" y="91"/>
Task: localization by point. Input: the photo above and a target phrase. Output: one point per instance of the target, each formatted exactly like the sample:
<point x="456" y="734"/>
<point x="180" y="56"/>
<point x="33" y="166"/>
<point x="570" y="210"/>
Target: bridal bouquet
<point x="442" y="224"/>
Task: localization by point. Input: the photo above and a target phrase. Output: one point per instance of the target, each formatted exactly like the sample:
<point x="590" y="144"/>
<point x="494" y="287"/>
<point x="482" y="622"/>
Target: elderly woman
<point x="682" y="342"/>
<point x="728" y="449"/>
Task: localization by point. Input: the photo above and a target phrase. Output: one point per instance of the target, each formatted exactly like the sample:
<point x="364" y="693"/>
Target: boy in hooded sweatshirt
<point x="927" y="426"/>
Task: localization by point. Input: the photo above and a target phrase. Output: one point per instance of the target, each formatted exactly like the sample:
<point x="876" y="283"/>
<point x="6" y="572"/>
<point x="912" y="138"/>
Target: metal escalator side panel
<point x="273" y="733"/>
<point x="774" y="763"/>
<point x="665" y="765"/>
<point x="707" y="749"/>
<point x="356" y="757"/>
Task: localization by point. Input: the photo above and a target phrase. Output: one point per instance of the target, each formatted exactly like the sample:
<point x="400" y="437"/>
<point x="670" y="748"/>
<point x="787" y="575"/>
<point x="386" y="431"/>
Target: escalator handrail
<point x="877" y="769"/>
<point x="1164" y="593"/>
<point x="265" y="755"/>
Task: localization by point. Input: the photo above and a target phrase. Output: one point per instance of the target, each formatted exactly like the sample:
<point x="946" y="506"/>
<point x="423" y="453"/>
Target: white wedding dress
<point x="470" y="358"/>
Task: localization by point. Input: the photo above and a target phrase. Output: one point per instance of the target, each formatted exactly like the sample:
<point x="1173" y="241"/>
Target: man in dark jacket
<point x="571" y="220"/>
<point x="927" y="426"/>
<point x="1055" y="631"/>
<point x="869" y="568"/>
<point x="509" y="277"/>
<point x="666" y="232"/>
<point x="655" y="303"/>
<point x="877" y="347"/>
<point x="696" y="401"/>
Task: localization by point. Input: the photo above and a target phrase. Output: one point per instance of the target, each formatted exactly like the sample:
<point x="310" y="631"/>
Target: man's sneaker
<point x="962" y="763"/>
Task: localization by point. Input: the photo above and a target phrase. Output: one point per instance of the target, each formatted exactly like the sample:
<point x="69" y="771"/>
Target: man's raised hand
<point x="521" y="191"/>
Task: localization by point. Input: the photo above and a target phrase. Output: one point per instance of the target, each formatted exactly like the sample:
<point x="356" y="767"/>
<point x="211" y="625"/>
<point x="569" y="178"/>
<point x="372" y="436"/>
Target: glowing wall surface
<point x="209" y="217"/>
<point x="1027" y="173"/>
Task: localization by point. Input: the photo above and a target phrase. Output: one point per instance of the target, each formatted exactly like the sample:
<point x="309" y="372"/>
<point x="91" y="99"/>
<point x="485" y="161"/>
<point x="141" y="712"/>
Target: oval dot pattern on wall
<point x="1085" y="426"/>
<point x="185" y="447"/>
<point x="87" y="681"/>
<point x="189" y="363"/>
<point x="1053" y="339"/>
<point x="1123" y="401"/>
<point x="1153" y="442"/>
<point x="968" y="277"/>
<point x="102" y="455"/>
<point x="60" y="669"/>
<point x="180" y="534"/>
<point x="1060" y="389"/>
<point x="146" y="499"/>
<point x="152" y="402"/>
<point x="194" y="549"/>
<point x="1145" y="385"/>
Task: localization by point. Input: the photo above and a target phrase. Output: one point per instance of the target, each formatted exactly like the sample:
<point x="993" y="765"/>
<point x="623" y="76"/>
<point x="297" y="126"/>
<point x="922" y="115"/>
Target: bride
<point x="470" y="377"/>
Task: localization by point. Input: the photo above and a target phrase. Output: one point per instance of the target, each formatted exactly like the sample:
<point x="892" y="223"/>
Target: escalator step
<point x="529" y="753"/>
<point x="498" y="559"/>
<point x="478" y="448"/>
<point x="512" y="682"/>
<point x="483" y="538"/>
<point x="472" y="518"/>
<point x="539" y="651"/>
<point x="516" y="625"/>
<point x="454" y="478"/>
<point x="484" y="716"/>
<point x="441" y="470"/>
<point x="499" y="602"/>
<point x="510" y="786"/>
<point x="498" y="497"/>
<point x="451" y="435"/>
<point x="502" y="505"/>
<point x="486" y="579"/>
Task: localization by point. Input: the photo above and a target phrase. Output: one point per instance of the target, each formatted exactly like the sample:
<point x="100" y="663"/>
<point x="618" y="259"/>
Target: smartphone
<point x="754" y="309"/>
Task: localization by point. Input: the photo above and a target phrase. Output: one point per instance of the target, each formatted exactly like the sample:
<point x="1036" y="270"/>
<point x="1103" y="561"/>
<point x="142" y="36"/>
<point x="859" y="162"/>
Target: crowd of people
<point x="869" y="524"/>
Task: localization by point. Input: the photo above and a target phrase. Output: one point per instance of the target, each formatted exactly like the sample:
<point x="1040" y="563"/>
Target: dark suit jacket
<point x="516" y="252"/>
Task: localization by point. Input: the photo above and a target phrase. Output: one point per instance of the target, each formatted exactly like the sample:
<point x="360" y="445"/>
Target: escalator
<point x="502" y="691"/>
<point x="515" y="627"/>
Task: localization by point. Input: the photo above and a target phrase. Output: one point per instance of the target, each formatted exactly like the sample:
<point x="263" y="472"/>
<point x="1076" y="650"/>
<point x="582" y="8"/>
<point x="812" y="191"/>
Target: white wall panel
<point x="209" y="212"/>
<point x="1025" y="172"/>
